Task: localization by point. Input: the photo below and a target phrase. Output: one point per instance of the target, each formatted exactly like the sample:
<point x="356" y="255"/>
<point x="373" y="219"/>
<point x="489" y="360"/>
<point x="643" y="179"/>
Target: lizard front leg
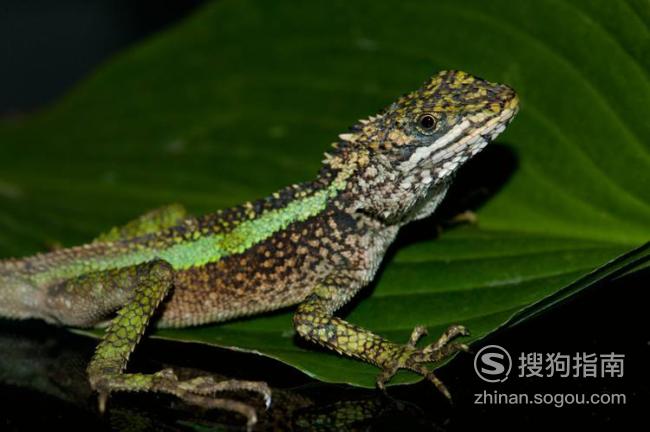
<point x="314" y="321"/>
<point x="151" y="282"/>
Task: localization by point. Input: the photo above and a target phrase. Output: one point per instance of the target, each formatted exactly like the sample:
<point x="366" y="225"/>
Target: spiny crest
<point x="355" y="146"/>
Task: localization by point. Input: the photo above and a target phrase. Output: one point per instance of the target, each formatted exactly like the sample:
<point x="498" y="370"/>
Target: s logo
<point x="492" y="364"/>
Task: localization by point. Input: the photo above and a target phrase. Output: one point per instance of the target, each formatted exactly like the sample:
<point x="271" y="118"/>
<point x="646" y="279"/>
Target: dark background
<point x="45" y="47"/>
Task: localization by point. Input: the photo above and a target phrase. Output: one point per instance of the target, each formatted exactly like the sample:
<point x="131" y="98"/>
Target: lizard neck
<point x="370" y="189"/>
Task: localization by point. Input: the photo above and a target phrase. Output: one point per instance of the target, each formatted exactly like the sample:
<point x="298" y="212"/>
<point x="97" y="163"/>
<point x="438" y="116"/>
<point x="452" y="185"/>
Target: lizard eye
<point x="426" y="123"/>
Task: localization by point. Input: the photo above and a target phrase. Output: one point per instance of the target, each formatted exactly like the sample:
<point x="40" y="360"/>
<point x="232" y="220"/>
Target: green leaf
<point x="243" y="97"/>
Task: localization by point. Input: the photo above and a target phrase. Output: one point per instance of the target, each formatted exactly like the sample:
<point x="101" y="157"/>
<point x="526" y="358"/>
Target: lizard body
<point x="314" y="244"/>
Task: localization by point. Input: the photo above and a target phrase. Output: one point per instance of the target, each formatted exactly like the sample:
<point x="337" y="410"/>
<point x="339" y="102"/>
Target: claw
<point x="251" y="422"/>
<point x="102" y="397"/>
<point x="439" y="385"/>
<point x="451" y="333"/>
<point x="416" y="359"/>
<point x="417" y="333"/>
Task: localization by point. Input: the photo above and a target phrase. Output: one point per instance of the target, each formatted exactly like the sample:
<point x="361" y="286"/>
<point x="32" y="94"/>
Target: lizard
<point x="311" y="245"/>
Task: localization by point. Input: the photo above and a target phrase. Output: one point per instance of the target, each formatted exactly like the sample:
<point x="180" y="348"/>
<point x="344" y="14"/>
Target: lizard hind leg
<point x="152" y="281"/>
<point x="150" y="222"/>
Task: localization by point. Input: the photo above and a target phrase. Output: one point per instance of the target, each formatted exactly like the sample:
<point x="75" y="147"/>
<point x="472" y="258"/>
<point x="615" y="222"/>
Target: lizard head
<point x="405" y="157"/>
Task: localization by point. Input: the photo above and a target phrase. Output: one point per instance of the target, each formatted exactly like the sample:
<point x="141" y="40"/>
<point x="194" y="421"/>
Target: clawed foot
<point x="416" y="359"/>
<point x="466" y="217"/>
<point x="199" y="391"/>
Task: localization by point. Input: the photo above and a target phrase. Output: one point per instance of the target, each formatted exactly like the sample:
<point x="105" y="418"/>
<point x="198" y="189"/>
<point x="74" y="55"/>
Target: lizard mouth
<point x="474" y="139"/>
<point x="493" y="128"/>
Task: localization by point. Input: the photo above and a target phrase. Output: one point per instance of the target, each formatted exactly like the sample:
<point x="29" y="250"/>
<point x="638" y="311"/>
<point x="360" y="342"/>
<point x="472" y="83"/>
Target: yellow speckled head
<point x="453" y="112"/>
<point x="416" y="144"/>
<point x="456" y="91"/>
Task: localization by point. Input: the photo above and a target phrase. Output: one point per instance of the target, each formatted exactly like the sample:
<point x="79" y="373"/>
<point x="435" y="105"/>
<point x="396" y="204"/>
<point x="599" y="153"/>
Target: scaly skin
<point x="313" y="244"/>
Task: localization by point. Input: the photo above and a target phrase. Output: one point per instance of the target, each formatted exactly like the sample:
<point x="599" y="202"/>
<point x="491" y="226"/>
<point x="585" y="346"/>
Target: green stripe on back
<point x="205" y="249"/>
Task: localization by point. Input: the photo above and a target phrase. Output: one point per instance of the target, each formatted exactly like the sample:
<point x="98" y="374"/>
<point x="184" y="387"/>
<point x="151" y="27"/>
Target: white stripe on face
<point x="474" y="139"/>
<point x="424" y="152"/>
